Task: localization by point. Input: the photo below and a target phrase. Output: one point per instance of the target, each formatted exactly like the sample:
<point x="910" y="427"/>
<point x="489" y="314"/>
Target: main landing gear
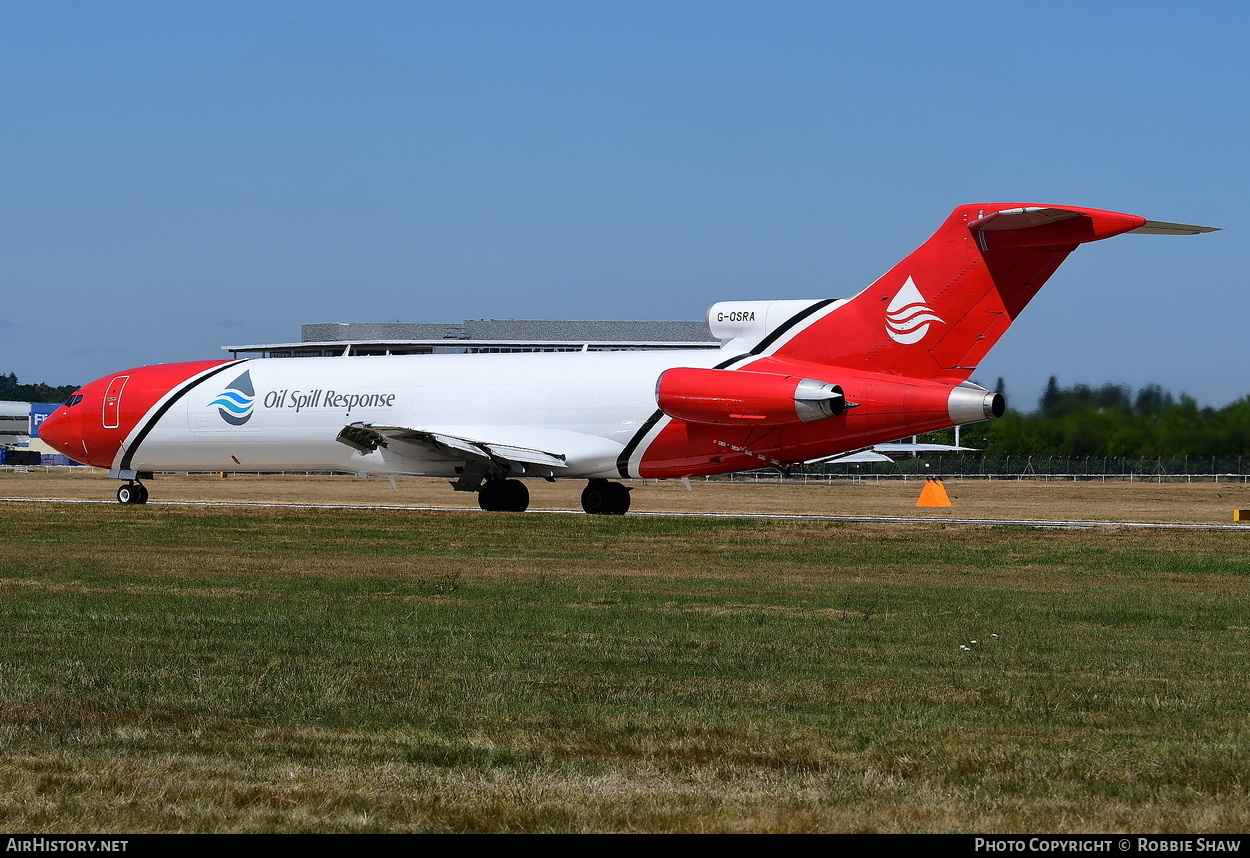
<point x="132" y="492"/>
<point x="602" y="497"/>
<point x="498" y="495"/>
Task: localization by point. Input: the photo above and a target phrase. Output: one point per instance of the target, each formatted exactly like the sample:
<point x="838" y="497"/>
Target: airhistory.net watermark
<point x="49" y="844"/>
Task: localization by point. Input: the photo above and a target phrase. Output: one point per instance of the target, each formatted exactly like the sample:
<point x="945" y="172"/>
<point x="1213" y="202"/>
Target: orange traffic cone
<point x="933" y="494"/>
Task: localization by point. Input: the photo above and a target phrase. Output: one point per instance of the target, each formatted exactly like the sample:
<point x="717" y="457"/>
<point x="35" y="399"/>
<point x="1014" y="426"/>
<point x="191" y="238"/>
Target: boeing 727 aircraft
<point x="793" y="381"/>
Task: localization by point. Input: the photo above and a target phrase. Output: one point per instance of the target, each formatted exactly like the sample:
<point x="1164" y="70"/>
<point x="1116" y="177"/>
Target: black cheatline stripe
<point x="622" y="461"/>
<point x="788" y="324"/>
<point x="151" y="424"/>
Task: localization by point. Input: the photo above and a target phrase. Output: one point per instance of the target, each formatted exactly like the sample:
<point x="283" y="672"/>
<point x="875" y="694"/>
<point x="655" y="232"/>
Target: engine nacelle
<point x="971" y="403"/>
<point x="746" y="398"/>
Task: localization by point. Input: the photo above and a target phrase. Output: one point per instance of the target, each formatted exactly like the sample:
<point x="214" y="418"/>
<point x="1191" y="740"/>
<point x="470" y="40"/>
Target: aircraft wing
<point x="862" y="456"/>
<point x="420" y="444"/>
<point x="879" y="453"/>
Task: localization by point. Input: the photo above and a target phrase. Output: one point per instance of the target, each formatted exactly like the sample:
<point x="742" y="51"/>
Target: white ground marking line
<point x="867" y="519"/>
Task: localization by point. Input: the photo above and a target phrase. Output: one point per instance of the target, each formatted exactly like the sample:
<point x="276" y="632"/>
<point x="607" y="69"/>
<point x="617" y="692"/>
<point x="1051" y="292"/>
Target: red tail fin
<point x="937" y="313"/>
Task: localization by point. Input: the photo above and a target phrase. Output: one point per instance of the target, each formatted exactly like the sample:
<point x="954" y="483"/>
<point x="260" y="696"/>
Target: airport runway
<point x="870" y="519"/>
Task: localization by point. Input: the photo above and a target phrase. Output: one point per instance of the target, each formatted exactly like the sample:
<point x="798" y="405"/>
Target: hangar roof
<point x="484" y="335"/>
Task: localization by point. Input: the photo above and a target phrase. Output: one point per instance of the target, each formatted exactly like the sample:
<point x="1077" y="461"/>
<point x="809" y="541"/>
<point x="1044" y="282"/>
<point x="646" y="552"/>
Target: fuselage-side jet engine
<point x="793" y="381"/>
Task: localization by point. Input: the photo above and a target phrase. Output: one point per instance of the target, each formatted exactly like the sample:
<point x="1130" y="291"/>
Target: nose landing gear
<point x="132" y="492"/>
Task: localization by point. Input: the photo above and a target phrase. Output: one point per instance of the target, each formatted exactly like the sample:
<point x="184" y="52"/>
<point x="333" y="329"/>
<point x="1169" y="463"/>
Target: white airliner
<point x="793" y="381"/>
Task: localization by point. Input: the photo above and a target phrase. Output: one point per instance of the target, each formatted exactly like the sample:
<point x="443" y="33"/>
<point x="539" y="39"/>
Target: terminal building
<point x="482" y="336"/>
<point x="19" y="434"/>
<point x="19" y="421"/>
<point x="14" y="423"/>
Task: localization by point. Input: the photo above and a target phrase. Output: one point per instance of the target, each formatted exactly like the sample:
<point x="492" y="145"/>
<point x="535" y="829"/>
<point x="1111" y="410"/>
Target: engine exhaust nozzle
<point x="971" y="403"/>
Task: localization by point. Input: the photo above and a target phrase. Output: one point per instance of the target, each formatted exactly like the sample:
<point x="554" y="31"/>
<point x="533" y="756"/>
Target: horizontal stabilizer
<point x="1023" y="218"/>
<point x="1158" y="227"/>
<point x="1027" y="217"/>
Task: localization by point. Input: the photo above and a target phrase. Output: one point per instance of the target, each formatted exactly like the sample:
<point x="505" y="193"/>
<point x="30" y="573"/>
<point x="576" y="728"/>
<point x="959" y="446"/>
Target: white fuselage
<point x="584" y="405"/>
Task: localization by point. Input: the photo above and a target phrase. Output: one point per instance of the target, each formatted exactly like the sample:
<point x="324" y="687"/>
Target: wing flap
<point x="366" y="438"/>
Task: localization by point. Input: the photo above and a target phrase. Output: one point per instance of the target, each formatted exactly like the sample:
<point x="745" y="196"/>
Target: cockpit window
<point x="74" y="399"/>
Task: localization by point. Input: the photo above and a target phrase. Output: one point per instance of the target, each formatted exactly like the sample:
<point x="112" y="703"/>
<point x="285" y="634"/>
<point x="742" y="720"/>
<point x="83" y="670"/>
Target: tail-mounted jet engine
<point x="971" y="403"/>
<point x="746" y="398"/>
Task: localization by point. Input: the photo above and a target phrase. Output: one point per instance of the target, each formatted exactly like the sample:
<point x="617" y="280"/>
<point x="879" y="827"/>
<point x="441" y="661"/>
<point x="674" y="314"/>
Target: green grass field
<point x="193" y="669"/>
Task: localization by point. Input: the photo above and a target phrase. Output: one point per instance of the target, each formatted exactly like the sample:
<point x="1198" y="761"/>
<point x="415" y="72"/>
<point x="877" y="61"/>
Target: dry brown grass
<point x="1205" y="502"/>
<point x="194" y="668"/>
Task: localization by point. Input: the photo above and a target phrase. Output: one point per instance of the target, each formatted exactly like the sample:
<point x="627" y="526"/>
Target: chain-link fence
<point x="965" y="466"/>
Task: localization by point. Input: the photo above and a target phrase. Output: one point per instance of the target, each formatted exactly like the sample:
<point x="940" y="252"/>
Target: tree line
<point x="1113" y="421"/>
<point x="12" y="391"/>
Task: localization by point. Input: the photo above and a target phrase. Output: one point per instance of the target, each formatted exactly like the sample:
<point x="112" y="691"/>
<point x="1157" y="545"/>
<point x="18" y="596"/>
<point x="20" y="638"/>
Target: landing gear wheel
<point x="132" y="493"/>
<point x="601" y="497"/>
<point x="503" y="496"/>
<point x="517" y="495"/>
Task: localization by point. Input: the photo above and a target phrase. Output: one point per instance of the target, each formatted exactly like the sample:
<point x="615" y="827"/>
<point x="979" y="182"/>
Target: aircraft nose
<point x="95" y="421"/>
<point x="59" y="430"/>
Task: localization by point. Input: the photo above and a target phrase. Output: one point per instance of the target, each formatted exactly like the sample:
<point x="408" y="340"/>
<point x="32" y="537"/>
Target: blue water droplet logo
<point x="236" y="402"/>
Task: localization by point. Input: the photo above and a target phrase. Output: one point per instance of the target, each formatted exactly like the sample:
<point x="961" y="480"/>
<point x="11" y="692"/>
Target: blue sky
<point x="180" y="176"/>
